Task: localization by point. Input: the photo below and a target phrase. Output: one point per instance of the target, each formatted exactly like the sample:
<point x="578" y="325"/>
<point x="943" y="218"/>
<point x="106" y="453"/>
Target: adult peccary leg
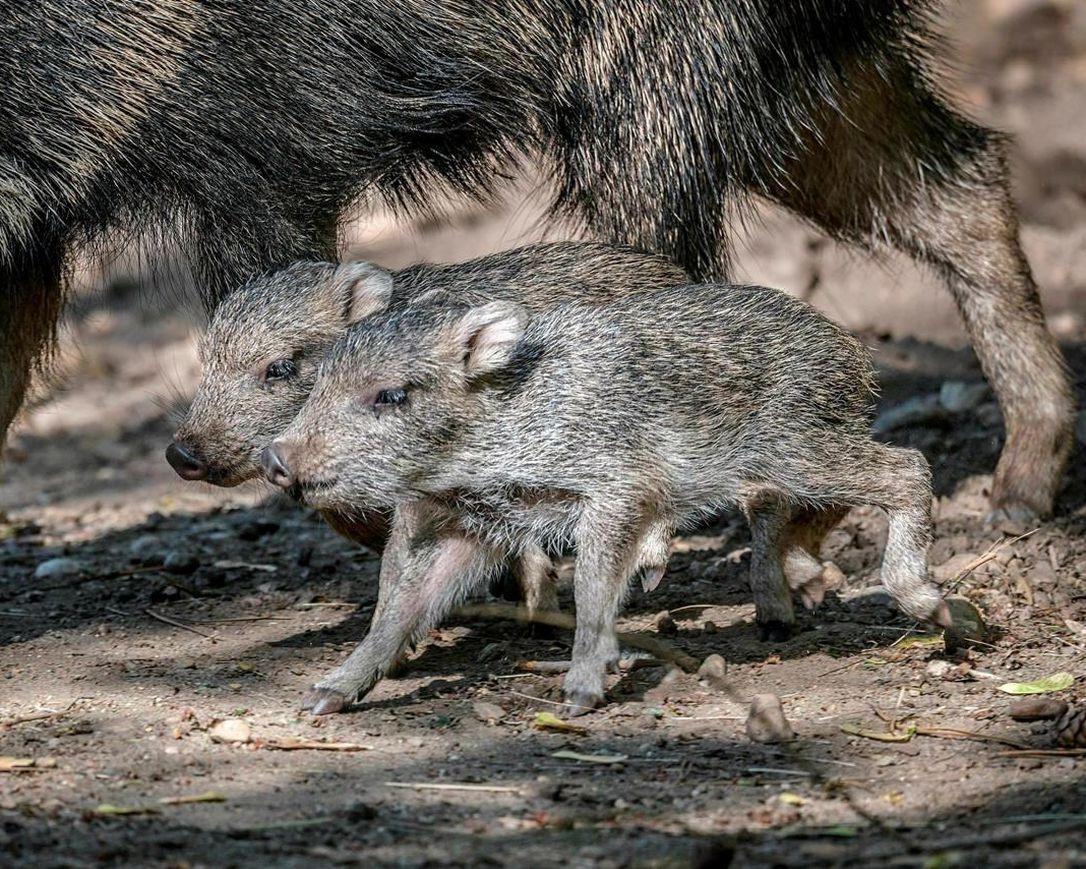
<point x="422" y="578"/>
<point x="892" y="162"/>
<point x="30" y="302"/>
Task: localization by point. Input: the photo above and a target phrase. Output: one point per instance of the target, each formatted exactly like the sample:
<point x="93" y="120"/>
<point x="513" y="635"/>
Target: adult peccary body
<point x="608" y="427"/>
<point x="253" y="125"/>
<point x="265" y="341"/>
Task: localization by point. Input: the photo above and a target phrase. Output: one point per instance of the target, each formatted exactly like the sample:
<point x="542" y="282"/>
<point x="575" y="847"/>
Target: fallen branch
<point x="657" y="648"/>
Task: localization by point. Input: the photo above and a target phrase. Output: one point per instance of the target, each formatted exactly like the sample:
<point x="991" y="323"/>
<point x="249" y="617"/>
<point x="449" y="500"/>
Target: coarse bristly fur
<point x="295" y="314"/>
<point x="607" y="427"/>
<point x="253" y="126"/>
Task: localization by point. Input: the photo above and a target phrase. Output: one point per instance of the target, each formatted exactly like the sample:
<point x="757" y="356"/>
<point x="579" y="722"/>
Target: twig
<point x="438" y="786"/>
<point x="24" y="719"/>
<point x="545" y="700"/>
<point x="167" y="620"/>
<point x="1043" y="752"/>
<point x="954" y="733"/>
<point x="657" y="648"/>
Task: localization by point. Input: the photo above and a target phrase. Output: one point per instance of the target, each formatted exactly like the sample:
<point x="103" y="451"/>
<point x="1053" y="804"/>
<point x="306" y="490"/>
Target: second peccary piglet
<point x="608" y="427"/>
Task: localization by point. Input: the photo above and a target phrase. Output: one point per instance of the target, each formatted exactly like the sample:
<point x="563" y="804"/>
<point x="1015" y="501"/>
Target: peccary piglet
<point x="493" y="430"/>
<point x="264" y="343"/>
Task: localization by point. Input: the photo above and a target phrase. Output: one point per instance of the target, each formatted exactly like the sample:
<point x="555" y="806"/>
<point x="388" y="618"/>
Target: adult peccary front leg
<point x="30" y="302"/>
<point x="892" y="162"/>
<point x="423" y="576"/>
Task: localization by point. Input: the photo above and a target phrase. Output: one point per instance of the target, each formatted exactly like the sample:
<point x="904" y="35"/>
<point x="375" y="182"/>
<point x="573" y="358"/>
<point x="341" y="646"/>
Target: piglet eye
<point x="280" y="369"/>
<point x="389" y="398"/>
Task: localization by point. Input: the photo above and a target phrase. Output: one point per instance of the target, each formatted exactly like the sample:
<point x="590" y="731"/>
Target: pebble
<point x="488" y="712"/>
<point x="969" y="626"/>
<point x="665" y="624"/>
<point x="713" y="667"/>
<point x="230" y="730"/>
<point x="766" y="721"/>
<point x="938" y="668"/>
<point x="180" y="563"/>
<point x="58" y="568"/>
<point x="146" y="549"/>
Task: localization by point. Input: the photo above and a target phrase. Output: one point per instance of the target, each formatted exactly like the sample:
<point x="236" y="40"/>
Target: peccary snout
<point x="185" y="461"/>
<point x="275" y="460"/>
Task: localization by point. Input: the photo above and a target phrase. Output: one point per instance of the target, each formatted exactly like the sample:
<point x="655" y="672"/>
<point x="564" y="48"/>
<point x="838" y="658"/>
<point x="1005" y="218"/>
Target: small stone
<point x="58" y="568"/>
<point x="713" y="667"/>
<point x="958" y="397"/>
<point x="766" y="721"/>
<point x="488" y="712"/>
<point x="969" y="628"/>
<point x="145" y="549"/>
<point x="665" y="624"/>
<point x="938" y="668"/>
<point x="180" y="563"/>
<point x="230" y="730"/>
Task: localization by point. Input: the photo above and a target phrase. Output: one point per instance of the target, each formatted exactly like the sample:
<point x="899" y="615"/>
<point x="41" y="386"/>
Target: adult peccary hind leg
<point x="892" y="162"/>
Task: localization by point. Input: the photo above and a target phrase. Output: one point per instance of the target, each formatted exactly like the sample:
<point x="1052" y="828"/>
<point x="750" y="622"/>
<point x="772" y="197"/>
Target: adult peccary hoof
<point x="968" y="628"/>
<point x="324" y="701"/>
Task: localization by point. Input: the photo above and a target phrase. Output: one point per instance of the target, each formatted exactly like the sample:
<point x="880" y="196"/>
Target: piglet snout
<point x="275" y="460"/>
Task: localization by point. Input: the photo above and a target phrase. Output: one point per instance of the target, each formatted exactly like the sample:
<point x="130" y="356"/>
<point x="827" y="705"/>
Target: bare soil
<point x="115" y="670"/>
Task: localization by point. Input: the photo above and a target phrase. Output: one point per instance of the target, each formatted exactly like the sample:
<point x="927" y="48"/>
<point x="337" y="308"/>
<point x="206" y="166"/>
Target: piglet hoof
<point x="581" y="703"/>
<point x="324" y="701"/>
<point x="775" y="631"/>
<point x="812" y="594"/>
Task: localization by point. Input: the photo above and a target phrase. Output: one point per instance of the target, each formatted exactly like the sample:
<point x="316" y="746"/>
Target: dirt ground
<point x="138" y="613"/>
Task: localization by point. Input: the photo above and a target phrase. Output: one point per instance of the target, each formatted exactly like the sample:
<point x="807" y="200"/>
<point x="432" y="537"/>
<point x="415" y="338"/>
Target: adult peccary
<point x="253" y="125"/>
<point x="264" y="342"/>
<point x="609" y="427"/>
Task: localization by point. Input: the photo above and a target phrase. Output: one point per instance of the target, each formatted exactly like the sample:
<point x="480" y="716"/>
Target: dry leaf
<point x="1045" y="685"/>
<point x="7" y="764"/>
<point x="206" y="797"/>
<point x="549" y="721"/>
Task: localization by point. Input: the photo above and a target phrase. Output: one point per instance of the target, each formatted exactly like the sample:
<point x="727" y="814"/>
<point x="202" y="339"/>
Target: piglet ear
<point x="486" y="335"/>
<point x="364" y="289"/>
